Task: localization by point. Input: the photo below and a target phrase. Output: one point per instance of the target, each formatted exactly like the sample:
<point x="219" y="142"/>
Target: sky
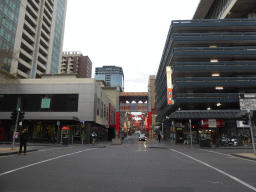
<point x="126" y="33"/>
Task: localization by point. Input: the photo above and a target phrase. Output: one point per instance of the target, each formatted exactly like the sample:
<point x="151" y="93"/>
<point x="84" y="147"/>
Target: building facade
<point x="212" y="63"/>
<point x="34" y="30"/>
<point x="112" y="75"/>
<point x="75" y="62"/>
<point x="56" y="98"/>
<point x="225" y="9"/>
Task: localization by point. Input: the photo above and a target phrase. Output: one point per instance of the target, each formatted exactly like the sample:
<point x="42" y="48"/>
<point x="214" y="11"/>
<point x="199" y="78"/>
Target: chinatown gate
<point x="132" y="102"/>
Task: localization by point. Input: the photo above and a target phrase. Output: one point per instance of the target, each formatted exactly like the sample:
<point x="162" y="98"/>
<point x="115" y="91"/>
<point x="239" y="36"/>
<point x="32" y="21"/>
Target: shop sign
<point x="211" y="123"/>
<point x="45" y="103"/>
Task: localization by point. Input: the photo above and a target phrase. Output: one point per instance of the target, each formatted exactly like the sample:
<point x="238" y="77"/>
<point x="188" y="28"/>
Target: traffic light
<point x="245" y="118"/>
<point x="14" y="116"/>
<point x="21" y="116"/>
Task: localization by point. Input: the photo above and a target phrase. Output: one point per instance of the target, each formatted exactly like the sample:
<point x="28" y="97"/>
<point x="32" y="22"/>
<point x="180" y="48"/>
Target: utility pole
<point x="252" y="136"/>
<point x="190" y="132"/>
<point x="16" y="126"/>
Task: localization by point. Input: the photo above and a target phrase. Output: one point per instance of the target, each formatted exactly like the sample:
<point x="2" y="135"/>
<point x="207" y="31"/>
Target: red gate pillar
<point x="117" y="124"/>
<point x="117" y="133"/>
<point x="149" y="124"/>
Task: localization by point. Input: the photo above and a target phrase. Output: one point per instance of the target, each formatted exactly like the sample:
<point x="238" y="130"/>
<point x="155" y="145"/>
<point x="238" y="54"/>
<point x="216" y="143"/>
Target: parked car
<point x="223" y="141"/>
<point x="142" y="137"/>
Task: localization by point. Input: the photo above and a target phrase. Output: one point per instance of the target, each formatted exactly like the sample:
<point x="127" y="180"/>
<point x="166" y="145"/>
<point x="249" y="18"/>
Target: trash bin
<point x="64" y="141"/>
<point x="208" y="142"/>
<point x="202" y="142"/>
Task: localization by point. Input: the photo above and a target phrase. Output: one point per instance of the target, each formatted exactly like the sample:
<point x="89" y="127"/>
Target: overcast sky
<point x="126" y="33"/>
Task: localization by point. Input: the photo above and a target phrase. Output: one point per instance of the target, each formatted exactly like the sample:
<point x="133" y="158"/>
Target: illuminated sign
<point x="170" y="101"/>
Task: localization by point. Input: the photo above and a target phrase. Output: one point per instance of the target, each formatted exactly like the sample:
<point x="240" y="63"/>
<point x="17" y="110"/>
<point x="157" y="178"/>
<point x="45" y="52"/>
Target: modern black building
<point x="212" y="62"/>
<point x="112" y="75"/>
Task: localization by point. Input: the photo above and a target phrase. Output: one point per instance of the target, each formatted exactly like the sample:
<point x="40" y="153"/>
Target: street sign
<point x="58" y="123"/>
<point x="247" y="104"/>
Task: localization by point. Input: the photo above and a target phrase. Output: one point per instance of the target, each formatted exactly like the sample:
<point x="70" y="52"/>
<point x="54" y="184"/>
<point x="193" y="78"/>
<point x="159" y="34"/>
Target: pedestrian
<point x="54" y="137"/>
<point x="23" y="141"/>
<point x="159" y="137"/>
<point x="94" y="136"/>
<point x="90" y="139"/>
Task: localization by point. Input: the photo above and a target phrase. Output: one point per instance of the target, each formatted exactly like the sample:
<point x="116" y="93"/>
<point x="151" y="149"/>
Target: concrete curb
<point x="245" y="157"/>
<point x="16" y="152"/>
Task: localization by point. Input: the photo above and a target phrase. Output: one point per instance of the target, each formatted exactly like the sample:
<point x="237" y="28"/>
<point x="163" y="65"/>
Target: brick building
<point x="75" y="62"/>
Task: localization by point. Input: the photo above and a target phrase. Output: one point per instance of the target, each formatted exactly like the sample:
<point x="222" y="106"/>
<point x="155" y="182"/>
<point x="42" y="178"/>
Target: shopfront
<point x="210" y="129"/>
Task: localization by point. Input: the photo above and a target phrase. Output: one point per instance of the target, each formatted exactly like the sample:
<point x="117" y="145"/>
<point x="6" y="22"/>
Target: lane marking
<point x="49" y="149"/>
<point x="216" y="169"/>
<point x="1" y="174"/>
<point x="215" y="152"/>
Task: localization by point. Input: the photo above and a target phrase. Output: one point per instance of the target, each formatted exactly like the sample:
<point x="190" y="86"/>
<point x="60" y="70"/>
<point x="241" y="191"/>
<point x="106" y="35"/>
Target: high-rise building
<point x="211" y="65"/>
<point x="112" y="75"/>
<point x="34" y="29"/>
<point x="75" y="62"/>
<point x="225" y="9"/>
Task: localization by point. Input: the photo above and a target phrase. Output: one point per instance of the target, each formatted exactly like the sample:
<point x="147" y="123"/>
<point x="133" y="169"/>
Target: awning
<point x="206" y="114"/>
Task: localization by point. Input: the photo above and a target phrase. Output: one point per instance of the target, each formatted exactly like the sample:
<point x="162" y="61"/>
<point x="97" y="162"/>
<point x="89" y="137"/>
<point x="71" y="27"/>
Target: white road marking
<point x="49" y="149"/>
<point x="215" y="152"/>
<point x="1" y="174"/>
<point x="216" y="169"/>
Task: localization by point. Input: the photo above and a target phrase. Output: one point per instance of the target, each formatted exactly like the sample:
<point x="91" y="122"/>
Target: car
<point x="142" y="137"/>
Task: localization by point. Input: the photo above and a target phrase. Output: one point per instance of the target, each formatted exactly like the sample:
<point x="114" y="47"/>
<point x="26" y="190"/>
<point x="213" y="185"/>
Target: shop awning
<point x="206" y="114"/>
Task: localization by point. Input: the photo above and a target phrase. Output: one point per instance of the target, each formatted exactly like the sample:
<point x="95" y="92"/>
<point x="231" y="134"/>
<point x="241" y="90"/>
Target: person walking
<point x="159" y="137"/>
<point x="23" y="141"/>
<point x="90" y="139"/>
<point x="94" y="136"/>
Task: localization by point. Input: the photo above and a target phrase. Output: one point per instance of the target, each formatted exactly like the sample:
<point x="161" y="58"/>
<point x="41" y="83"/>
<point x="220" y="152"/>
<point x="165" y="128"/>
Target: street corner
<point x="250" y="156"/>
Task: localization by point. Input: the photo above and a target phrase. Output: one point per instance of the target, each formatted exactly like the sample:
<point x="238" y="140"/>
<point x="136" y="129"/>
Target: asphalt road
<point x="132" y="166"/>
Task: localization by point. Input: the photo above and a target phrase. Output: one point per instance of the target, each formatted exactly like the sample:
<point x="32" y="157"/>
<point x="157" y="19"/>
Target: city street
<point x="132" y="166"/>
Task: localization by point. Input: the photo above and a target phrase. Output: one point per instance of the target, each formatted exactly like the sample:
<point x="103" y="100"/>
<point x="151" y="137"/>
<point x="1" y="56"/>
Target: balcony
<point x="26" y="46"/>
<point x="22" y="74"/>
<point x="46" y="28"/>
<point x="207" y="82"/>
<point x="27" y="37"/>
<point x="42" y="57"/>
<point x="206" y="67"/>
<point x="205" y="54"/>
<point x="49" y="7"/>
<point x="31" y="11"/>
<point x="47" y="13"/>
<point x="39" y="64"/>
<point x="209" y="25"/>
<point x="206" y="98"/>
<point x="33" y="4"/>
<point x="24" y="64"/>
<point x="26" y="54"/>
<point x="31" y="20"/>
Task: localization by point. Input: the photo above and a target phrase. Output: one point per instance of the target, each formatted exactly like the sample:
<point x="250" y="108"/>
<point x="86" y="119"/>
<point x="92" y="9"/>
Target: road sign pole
<point x="58" y="123"/>
<point x="190" y="132"/>
<point x="252" y="136"/>
<point x="16" y="126"/>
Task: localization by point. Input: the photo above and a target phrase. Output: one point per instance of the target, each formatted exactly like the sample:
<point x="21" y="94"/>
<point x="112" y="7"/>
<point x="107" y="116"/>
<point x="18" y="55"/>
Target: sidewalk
<point x="167" y="144"/>
<point x="7" y="150"/>
<point x="5" y="147"/>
